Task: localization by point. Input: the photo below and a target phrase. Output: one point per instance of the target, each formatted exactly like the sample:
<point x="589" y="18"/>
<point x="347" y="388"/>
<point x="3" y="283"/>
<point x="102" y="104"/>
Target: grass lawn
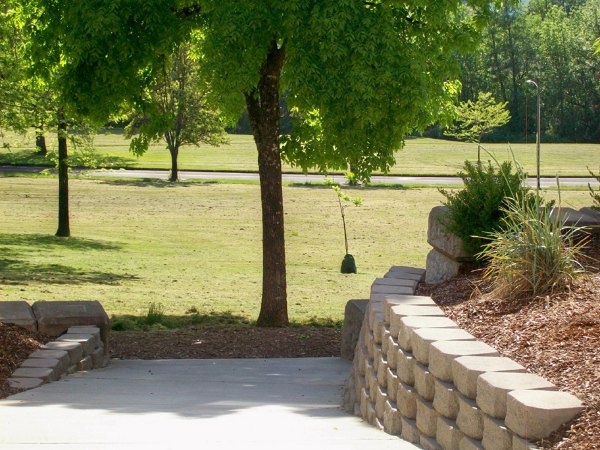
<point x="420" y="156"/>
<point x="197" y="247"/>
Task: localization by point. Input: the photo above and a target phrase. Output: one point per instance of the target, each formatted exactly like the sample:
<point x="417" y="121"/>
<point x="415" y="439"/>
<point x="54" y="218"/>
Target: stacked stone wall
<point x="417" y="375"/>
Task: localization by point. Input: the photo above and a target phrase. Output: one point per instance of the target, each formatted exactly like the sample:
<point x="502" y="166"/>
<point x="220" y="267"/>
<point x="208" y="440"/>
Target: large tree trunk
<point x="40" y="142"/>
<point x="174" y="176"/>
<point x="263" y="110"/>
<point x="63" y="181"/>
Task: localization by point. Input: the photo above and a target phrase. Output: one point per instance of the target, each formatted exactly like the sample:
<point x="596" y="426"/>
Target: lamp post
<point x="538" y="129"/>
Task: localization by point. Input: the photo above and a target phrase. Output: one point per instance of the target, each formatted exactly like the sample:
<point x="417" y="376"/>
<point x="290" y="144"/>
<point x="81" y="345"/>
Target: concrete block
<point x="74" y="349"/>
<point x="86" y="329"/>
<point x="445" y="242"/>
<point x="390" y="300"/>
<point x="410" y="432"/>
<point x="87" y="341"/>
<point x="392" y="352"/>
<point x="440" y="268"/>
<point x="522" y="444"/>
<point x="442" y="353"/>
<point x="493" y="387"/>
<point x="380" y="398"/>
<point x="413" y="322"/>
<point x="447" y="434"/>
<point x="354" y="315"/>
<point x="72" y="369"/>
<point x="392" y="419"/>
<point x="371" y="415"/>
<point x="54" y="318"/>
<point x="373" y="385"/>
<point x="407" y="270"/>
<point x="406" y="401"/>
<point x="468" y="443"/>
<point x="392" y="383"/>
<point x="405" y="367"/>
<point x="364" y="400"/>
<point x="43" y="373"/>
<point x="421" y="339"/>
<point x="377" y="357"/>
<point x="395" y="282"/>
<point x="385" y="335"/>
<point x="429" y="443"/>
<point x="86" y="363"/>
<point x="359" y="384"/>
<point x="470" y="418"/>
<point x="426" y="417"/>
<point x="388" y="289"/>
<point x="378" y="424"/>
<point x="100" y="359"/>
<point x="424" y="382"/>
<point x="405" y="276"/>
<point x="19" y="313"/>
<point x="535" y="414"/>
<point x="57" y="366"/>
<point x="25" y="383"/>
<point x="375" y="315"/>
<point x="382" y="369"/>
<point x="397" y="312"/>
<point x="61" y="355"/>
<point x="466" y="370"/>
<point x="360" y="359"/>
<point x="495" y="434"/>
<point x="444" y="400"/>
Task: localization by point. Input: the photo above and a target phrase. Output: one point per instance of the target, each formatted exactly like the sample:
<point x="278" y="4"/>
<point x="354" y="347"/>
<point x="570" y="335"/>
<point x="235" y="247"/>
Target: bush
<point x="477" y="209"/>
<point x="532" y="253"/>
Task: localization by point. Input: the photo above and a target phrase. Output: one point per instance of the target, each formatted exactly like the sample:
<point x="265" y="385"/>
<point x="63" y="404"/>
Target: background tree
<point x="359" y="76"/>
<point x="176" y="110"/>
<point x="476" y="118"/>
<point x="549" y="41"/>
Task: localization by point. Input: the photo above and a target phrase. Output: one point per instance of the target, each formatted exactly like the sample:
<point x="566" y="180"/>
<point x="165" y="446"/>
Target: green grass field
<point x="198" y="246"/>
<point x="421" y="156"/>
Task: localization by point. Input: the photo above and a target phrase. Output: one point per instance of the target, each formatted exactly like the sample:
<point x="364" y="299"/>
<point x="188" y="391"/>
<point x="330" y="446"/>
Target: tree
<point x="176" y="110"/>
<point x="359" y="76"/>
<point x="476" y="118"/>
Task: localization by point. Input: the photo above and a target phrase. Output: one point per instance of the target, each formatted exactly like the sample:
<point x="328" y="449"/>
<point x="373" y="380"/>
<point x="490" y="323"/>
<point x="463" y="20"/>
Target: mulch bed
<point x="226" y="342"/>
<point x="556" y="337"/>
<point x="16" y="344"/>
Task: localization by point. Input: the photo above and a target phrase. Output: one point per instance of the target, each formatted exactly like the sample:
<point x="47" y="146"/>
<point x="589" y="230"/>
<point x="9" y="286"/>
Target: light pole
<point x="537" y="130"/>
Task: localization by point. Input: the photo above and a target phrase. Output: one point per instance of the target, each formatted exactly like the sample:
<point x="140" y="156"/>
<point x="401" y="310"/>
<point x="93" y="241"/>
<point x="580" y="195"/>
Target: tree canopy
<point x="359" y="75"/>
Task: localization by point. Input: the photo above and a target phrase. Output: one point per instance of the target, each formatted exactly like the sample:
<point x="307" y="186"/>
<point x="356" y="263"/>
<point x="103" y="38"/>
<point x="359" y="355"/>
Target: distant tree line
<point x="550" y="42"/>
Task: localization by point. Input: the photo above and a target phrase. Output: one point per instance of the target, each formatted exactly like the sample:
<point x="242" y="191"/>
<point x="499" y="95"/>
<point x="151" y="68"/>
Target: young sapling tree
<point x="344" y="200"/>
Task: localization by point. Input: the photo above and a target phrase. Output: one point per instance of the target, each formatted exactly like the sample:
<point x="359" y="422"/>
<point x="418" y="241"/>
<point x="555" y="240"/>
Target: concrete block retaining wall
<point x="417" y="375"/>
<point x="81" y="329"/>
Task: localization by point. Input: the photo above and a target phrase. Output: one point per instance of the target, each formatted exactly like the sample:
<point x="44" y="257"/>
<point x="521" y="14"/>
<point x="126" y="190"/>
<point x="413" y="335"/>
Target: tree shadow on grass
<point x="358" y="188"/>
<point x="37" y="242"/>
<point x="145" y="183"/>
<point x="18" y="272"/>
<point x="15" y="269"/>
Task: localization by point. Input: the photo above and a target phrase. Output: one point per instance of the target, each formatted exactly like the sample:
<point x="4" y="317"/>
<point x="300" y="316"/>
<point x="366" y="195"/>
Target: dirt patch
<point x="556" y="337"/>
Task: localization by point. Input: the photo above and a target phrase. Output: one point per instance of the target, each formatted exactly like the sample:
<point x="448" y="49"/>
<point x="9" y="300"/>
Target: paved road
<point x="294" y="178"/>
<point x="210" y="404"/>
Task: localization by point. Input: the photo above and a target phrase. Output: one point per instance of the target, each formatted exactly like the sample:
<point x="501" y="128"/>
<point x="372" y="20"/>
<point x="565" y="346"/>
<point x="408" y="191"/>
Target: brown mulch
<point x="556" y="337"/>
<point x="16" y="344"/>
<point x="227" y="342"/>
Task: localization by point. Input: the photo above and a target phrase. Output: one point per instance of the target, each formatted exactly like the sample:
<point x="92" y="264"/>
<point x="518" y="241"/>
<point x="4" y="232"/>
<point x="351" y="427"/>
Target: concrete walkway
<point x="208" y="404"/>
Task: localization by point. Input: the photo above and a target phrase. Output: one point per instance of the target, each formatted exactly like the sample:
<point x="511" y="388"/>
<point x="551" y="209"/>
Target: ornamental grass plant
<point x="533" y="253"/>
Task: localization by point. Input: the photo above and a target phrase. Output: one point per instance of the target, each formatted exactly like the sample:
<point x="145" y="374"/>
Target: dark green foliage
<point x="477" y="209"/>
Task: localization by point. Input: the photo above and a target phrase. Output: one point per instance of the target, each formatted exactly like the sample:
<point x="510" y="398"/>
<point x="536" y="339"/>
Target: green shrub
<point x="477" y="208"/>
<point x="532" y="253"/>
<point x="593" y="193"/>
<point x="156" y="314"/>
